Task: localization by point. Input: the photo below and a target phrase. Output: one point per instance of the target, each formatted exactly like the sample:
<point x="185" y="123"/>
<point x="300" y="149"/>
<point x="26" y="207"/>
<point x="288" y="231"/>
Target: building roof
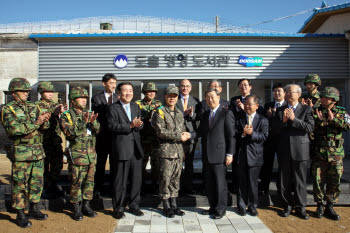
<point x="320" y="15"/>
<point x="186" y="35"/>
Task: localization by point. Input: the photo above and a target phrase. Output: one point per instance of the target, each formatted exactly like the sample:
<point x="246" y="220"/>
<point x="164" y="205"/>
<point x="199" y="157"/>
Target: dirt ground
<point x="105" y="223"/>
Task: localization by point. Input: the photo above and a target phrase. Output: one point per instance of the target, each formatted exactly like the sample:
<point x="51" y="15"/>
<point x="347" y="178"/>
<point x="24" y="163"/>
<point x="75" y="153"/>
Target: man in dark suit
<point x="218" y="143"/>
<point x="100" y="103"/>
<point x="270" y="147"/>
<point x="124" y="121"/>
<point x="295" y="122"/>
<point x="252" y="132"/>
<point x="237" y="107"/>
<point x="189" y="106"/>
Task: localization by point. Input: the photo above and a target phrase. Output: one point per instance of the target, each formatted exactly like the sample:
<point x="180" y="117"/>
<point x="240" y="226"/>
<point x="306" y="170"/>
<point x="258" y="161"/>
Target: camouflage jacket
<point x="81" y="136"/>
<point x="19" y="120"/>
<point x="316" y="99"/>
<point x="147" y="133"/>
<point x="328" y="142"/>
<point x="51" y="135"/>
<point x="168" y="128"/>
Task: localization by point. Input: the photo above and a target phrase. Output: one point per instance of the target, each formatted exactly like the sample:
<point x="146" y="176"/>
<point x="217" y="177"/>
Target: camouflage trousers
<point x="53" y="163"/>
<point x="150" y="154"/>
<point x="28" y="181"/>
<point x="170" y="173"/>
<point x="82" y="187"/>
<point x="327" y="174"/>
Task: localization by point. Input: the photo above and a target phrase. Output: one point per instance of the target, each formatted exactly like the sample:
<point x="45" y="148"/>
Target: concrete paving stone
<point x="158" y="228"/>
<point x="242" y="227"/>
<point x="202" y="216"/>
<point x="124" y="228"/>
<point x="122" y="232"/>
<point x="194" y="231"/>
<point x="190" y="222"/>
<point x="252" y="219"/>
<point x="190" y="228"/>
<point x="141" y="228"/>
<point x="142" y="222"/>
<point x="258" y="226"/>
<point x="129" y="216"/>
<point x="126" y="222"/>
<point x="158" y="221"/>
<point x="237" y="221"/>
<point x="174" y="221"/>
<point x="205" y="221"/>
<point x="175" y="228"/>
<point x="209" y="228"/>
<point x="225" y="227"/>
<point x="223" y="220"/>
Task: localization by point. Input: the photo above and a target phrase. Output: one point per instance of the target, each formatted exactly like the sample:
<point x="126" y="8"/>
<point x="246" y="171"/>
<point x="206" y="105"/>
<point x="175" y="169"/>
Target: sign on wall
<point x="250" y="61"/>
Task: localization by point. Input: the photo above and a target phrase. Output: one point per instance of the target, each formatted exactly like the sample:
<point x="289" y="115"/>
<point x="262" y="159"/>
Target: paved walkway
<point x="191" y="222"/>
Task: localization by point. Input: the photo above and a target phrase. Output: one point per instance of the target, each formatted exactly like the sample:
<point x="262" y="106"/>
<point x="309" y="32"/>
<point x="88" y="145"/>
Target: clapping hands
<point x="137" y="122"/>
<point x="89" y="117"/>
<point x="185" y="136"/>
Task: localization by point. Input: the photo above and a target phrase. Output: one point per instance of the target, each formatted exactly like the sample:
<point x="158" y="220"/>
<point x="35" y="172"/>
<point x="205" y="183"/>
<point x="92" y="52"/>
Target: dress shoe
<point x="252" y="211"/>
<point x="242" y="211"/>
<point x="286" y="211"/>
<point x="167" y="210"/>
<point x="136" y="212"/>
<point x="173" y="205"/>
<point x="22" y="220"/>
<point x="320" y="210"/>
<point x="87" y="210"/>
<point x="34" y="212"/>
<point x="208" y="212"/>
<point x="330" y="212"/>
<point x="219" y="215"/>
<point x="118" y="214"/>
<point x="301" y="213"/>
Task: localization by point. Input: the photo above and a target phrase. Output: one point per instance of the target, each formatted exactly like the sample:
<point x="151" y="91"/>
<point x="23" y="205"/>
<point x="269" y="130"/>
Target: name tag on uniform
<point x="88" y="132"/>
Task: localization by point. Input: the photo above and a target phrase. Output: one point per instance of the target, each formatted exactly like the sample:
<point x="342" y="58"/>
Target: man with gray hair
<point x="294" y="122"/>
<point x="217" y="85"/>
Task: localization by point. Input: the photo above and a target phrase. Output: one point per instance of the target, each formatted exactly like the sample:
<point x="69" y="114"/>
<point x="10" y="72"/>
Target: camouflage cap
<point x="312" y="78"/>
<point x="150" y="86"/>
<point x="330" y="92"/>
<point x="45" y="87"/>
<point x="19" y="84"/>
<point x="172" y="90"/>
<point x="78" y="92"/>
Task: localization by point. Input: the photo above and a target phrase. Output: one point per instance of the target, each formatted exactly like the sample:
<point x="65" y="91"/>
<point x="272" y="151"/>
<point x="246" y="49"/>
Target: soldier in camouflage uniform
<point x="23" y="123"/>
<point x="327" y="160"/>
<point x="51" y="141"/>
<point x="312" y="98"/>
<point x="169" y="126"/>
<point x="80" y="128"/>
<point x="147" y="105"/>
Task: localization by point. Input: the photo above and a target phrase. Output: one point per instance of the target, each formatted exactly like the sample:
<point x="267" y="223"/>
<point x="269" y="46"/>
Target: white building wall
<point x="335" y="24"/>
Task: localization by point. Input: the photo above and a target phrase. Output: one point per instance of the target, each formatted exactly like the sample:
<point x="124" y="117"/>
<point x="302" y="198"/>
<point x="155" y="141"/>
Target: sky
<point x="231" y="12"/>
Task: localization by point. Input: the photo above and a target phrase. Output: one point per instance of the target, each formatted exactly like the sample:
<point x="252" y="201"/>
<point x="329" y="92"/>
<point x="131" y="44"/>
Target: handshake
<point x="185" y="136"/>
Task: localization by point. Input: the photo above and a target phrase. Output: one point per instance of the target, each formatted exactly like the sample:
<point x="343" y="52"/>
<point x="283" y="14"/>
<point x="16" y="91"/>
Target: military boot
<point x="22" y="219"/>
<point x="87" y="209"/>
<point x="77" y="214"/>
<point x="34" y="212"/>
<point x="319" y="210"/>
<point x="167" y="210"/>
<point x="330" y="212"/>
<point x="176" y="209"/>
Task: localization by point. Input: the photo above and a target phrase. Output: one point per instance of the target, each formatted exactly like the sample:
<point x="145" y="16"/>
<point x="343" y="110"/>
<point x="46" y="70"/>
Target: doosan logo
<point x="250" y="61"/>
<point x="120" y="61"/>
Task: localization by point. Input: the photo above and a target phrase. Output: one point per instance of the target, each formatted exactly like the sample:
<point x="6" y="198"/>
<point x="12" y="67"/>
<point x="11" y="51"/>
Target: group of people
<point x="242" y="132"/>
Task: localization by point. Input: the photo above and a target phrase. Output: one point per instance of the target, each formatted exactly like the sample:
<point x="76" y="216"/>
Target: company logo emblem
<point x="120" y="61"/>
<point x="250" y="61"/>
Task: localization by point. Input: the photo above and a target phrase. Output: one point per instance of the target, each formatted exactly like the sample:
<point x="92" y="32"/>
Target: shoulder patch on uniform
<point x="161" y="112"/>
<point x="69" y="118"/>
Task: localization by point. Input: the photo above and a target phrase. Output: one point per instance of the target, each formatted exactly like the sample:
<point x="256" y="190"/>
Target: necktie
<point x="110" y="99"/>
<point x="128" y="112"/>
<point x="211" y="118"/>
<point x="185" y="103"/>
<point x="250" y="120"/>
<point x="277" y="105"/>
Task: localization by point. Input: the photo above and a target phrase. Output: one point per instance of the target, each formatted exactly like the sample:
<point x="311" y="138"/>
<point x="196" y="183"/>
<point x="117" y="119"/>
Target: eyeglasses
<point x="186" y="86"/>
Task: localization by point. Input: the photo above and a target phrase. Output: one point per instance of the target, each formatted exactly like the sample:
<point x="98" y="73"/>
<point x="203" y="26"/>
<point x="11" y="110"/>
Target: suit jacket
<point x="124" y="138"/>
<point x="218" y="139"/>
<point x="273" y="129"/>
<point x="294" y="135"/>
<point x="191" y="122"/>
<point x="251" y="147"/>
